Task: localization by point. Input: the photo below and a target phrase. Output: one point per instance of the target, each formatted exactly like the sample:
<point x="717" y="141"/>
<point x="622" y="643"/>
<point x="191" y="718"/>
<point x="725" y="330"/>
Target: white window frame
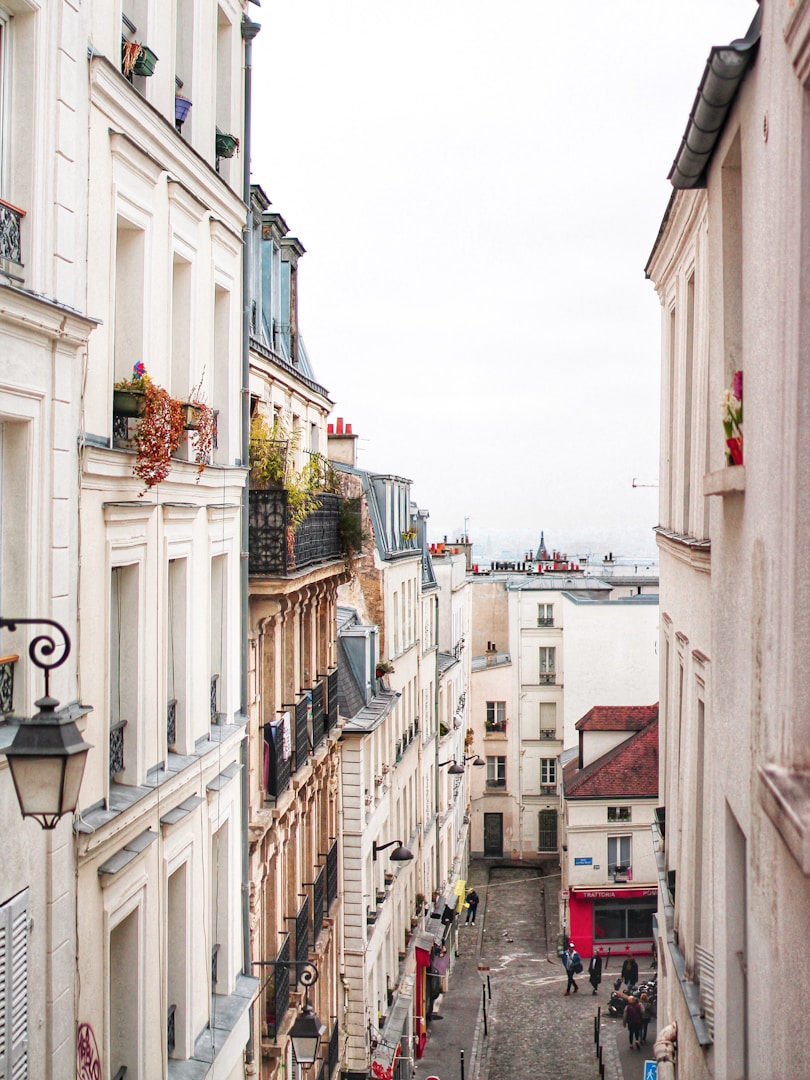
<point x="619" y="813"/>
<point x="548" y="772"/>
<point x="545" y="614"/>
<point x="496" y="712"/>
<point x="617" y="846"/>
<point x="496" y="772"/>
<point x="14" y="959"/>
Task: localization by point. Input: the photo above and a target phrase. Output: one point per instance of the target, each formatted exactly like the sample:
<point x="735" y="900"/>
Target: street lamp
<point x="306" y="1032"/>
<point x="399" y="854"/>
<point x="48" y="754"/>
<point x="457" y="767"/>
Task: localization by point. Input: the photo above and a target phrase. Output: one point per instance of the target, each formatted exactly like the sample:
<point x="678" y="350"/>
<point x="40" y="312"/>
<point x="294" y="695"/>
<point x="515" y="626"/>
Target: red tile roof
<point x="629" y="769"/>
<point x="617" y="717"/>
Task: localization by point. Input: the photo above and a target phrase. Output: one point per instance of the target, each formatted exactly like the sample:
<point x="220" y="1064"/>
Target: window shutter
<point x="14" y="988"/>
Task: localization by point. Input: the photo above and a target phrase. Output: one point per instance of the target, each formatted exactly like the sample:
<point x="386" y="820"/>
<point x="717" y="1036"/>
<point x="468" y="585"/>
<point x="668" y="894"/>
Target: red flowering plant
<point x="160" y="425"/>
<point x="202" y="423"/>
<point x="732" y="411"/>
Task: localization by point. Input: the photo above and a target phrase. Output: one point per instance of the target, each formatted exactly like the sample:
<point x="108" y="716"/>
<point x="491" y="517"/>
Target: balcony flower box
<point x="226" y="145"/>
<point x="145" y="63"/>
<point x="137" y="59"/>
<point x="129" y="402"/>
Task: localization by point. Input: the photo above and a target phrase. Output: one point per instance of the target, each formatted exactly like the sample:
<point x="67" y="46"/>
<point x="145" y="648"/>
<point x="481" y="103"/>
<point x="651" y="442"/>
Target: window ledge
<point x="728" y="481"/>
<point x="785" y="796"/>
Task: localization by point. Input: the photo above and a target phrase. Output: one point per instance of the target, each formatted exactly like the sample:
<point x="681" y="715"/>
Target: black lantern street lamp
<point x="306" y="1032"/>
<point x="399" y="854"/>
<point x="48" y="754"/>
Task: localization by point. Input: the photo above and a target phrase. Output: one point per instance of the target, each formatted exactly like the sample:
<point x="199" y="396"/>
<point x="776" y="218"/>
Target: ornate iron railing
<point x="302" y="933"/>
<point x="7" y="683"/>
<point x="334" y="1048"/>
<point x="317" y="904"/>
<point x="11" y="232"/>
<point x="214" y="689"/>
<point x="214" y="962"/>
<point x="117" y="748"/>
<point x="331" y="874"/>
<point x="276" y="767"/>
<point x="277" y="991"/>
<point x="318" y="716"/>
<point x="171" y="722"/>
<point x="301" y="750"/>
<point x="170" y="1030"/>
<point x="331" y="699"/>
<point x="548" y="733"/>
<point x="275" y="550"/>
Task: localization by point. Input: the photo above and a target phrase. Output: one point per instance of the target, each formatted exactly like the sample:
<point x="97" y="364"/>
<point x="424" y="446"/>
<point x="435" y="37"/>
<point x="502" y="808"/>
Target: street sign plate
<point x="650" y="1070"/>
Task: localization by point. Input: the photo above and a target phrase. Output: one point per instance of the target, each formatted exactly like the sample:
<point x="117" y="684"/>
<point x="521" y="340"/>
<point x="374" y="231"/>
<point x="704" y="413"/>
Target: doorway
<point x="493" y="835"/>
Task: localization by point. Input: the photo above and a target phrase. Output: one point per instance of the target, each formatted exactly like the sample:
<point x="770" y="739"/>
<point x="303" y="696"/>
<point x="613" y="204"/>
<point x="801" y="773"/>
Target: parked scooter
<point x="618" y="999"/>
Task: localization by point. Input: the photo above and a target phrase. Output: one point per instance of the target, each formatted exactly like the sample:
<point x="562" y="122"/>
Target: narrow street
<point x="533" y="1029"/>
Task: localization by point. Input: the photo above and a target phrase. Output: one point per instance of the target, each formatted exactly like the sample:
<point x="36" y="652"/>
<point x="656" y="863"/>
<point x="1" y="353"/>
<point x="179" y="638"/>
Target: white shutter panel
<point x="14" y="989"/>
<point x="4" y="1010"/>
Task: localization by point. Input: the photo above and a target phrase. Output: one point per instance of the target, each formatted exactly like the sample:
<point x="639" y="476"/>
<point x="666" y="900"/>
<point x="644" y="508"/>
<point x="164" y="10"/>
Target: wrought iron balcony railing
<point x="275" y="550"/>
<point x="11" y="233"/>
<point x="7" y="683"/>
<point x="277" y="766"/>
<point x="117" y="748"/>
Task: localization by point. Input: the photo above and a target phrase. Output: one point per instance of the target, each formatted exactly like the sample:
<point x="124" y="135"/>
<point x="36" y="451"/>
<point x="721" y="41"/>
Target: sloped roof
<point x="628" y="770"/>
<point x="617" y="717"/>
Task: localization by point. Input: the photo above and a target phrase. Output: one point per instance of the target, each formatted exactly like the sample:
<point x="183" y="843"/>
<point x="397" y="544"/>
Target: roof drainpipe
<point x="249" y="31"/>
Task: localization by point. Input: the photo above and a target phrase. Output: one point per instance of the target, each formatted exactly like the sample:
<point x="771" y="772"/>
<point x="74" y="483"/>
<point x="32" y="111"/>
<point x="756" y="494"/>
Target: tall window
<point x="219" y="632"/>
<point x="547" y="830"/>
<point x="548" y="664"/>
<point x="5" y="93"/>
<point x="125" y="1018"/>
<point x="177" y="964"/>
<point x="548" y="771"/>
<point x="548" y="719"/>
<point x="176" y="656"/>
<point x="545" y="614"/>
<point x="129" y="297"/>
<point x="619" y="854"/>
<point x="14" y="987"/>
<point x="496" y="716"/>
<point x="496" y="772"/>
<point x="124" y="666"/>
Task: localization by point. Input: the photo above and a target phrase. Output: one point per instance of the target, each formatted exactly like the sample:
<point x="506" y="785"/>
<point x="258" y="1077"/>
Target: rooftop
<point x="617" y="717"/>
<point x="628" y="770"/>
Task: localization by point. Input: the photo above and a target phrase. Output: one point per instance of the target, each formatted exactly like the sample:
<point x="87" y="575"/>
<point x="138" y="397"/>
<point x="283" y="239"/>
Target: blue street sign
<point x="650" y="1070"/>
<point x="583" y="862"/>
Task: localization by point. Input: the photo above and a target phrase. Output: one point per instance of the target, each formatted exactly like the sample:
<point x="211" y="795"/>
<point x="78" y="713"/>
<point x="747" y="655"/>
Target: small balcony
<point x="548" y="734"/>
<point x="275" y="549"/>
<point x="547" y="678"/>
<point x="495" y="727"/>
<point x="11" y="263"/>
<point x="7" y="683"/>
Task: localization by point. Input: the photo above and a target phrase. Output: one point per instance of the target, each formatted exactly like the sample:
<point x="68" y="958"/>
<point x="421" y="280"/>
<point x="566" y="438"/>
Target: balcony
<point x="275" y="549"/>
<point x="11" y="240"/>
<point x="499" y="782"/>
<point x="548" y="789"/>
<point x="495" y="727"/>
<point x="7" y="683"/>
<point x="548" y="734"/>
<point x="547" y="678"/>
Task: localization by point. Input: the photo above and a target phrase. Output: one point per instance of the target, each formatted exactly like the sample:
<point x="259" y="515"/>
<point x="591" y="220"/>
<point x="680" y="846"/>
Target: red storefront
<point x="616" y="919"/>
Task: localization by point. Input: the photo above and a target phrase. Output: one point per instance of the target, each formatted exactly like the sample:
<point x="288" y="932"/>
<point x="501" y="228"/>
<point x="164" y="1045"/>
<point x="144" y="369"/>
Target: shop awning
<point x="387" y="1050"/>
<point x="584" y="893"/>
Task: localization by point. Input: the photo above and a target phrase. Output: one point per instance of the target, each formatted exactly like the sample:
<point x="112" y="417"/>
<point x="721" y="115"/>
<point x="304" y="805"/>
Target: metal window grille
<point x="331" y="874"/>
<point x="214" y="960"/>
<point x="117" y="748"/>
<point x="548" y="733"/>
<point x="317" y="904"/>
<point x="318" y="716"/>
<point x="214" y="695"/>
<point x="301" y="750"/>
<point x="277" y="991"/>
<point x="277" y="771"/>
<point x="334" y="1049"/>
<point x="302" y="933"/>
<point x="7" y="683"/>
<point x="331" y="699"/>
<point x="170" y="1030"/>
<point x="171" y="722"/>
<point x="11" y="232"/>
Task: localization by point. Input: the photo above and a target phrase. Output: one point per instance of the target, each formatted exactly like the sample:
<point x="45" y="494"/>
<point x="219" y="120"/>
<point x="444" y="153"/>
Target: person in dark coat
<point x="573" y="966"/>
<point x="632" y="1021"/>
<point x="595" y="971"/>
<point x="629" y="972"/>
<point x="472" y="900"/>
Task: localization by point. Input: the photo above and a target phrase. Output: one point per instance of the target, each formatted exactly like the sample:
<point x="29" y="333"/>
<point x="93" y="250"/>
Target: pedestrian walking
<point x="632" y="1021"/>
<point x="629" y="973"/>
<point x="647" y="1013"/>
<point x="595" y="971"/>
<point x="472" y="905"/>
<point x="573" y="966"/>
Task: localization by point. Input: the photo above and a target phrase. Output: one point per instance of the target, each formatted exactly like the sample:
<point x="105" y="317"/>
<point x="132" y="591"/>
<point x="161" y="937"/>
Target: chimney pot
<point x="340" y="425"/>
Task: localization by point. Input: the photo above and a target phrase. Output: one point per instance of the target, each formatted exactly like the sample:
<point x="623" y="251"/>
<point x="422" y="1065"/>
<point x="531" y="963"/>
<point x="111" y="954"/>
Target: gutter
<point x="249" y="32"/>
<point x="724" y="72"/>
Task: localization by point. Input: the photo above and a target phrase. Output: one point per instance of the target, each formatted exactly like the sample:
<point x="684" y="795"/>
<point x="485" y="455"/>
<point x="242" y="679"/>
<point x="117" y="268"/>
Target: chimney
<point x="342" y="443"/>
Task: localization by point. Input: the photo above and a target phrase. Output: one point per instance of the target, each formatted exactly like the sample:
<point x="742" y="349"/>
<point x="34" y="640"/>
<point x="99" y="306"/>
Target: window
<point x="176" y="657"/>
<point x="548" y="664"/>
<point x="547" y="830"/>
<point x="125" y="999"/>
<point x="620" y="920"/>
<point x="14" y="987"/>
<point x="545" y="614"/>
<point x="129" y="285"/>
<point x="496" y="772"/>
<point x="496" y="716"/>
<point x="619" y="813"/>
<point x="619" y="854"/>
<point x="548" y="771"/>
<point x="177" y="964"/>
<point x="5" y="94"/>
<point x="548" y="719"/>
<point x="124" y="666"/>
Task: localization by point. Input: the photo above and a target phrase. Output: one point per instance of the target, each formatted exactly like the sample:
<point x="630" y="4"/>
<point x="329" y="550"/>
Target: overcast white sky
<point x="478" y="186"/>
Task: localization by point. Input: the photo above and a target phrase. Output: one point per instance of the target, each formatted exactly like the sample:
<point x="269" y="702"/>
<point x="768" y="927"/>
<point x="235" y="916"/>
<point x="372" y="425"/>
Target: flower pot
<point x="129" y="402"/>
<point x="226" y="144"/>
<point x="193" y="416"/>
<point x="181" y="107"/>
<point x="735" y="450"/>
<point x="145" y="64"/>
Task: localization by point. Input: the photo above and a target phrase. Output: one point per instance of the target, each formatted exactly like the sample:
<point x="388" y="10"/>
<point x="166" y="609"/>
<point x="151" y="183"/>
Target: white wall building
<point x="730" y="267"/>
